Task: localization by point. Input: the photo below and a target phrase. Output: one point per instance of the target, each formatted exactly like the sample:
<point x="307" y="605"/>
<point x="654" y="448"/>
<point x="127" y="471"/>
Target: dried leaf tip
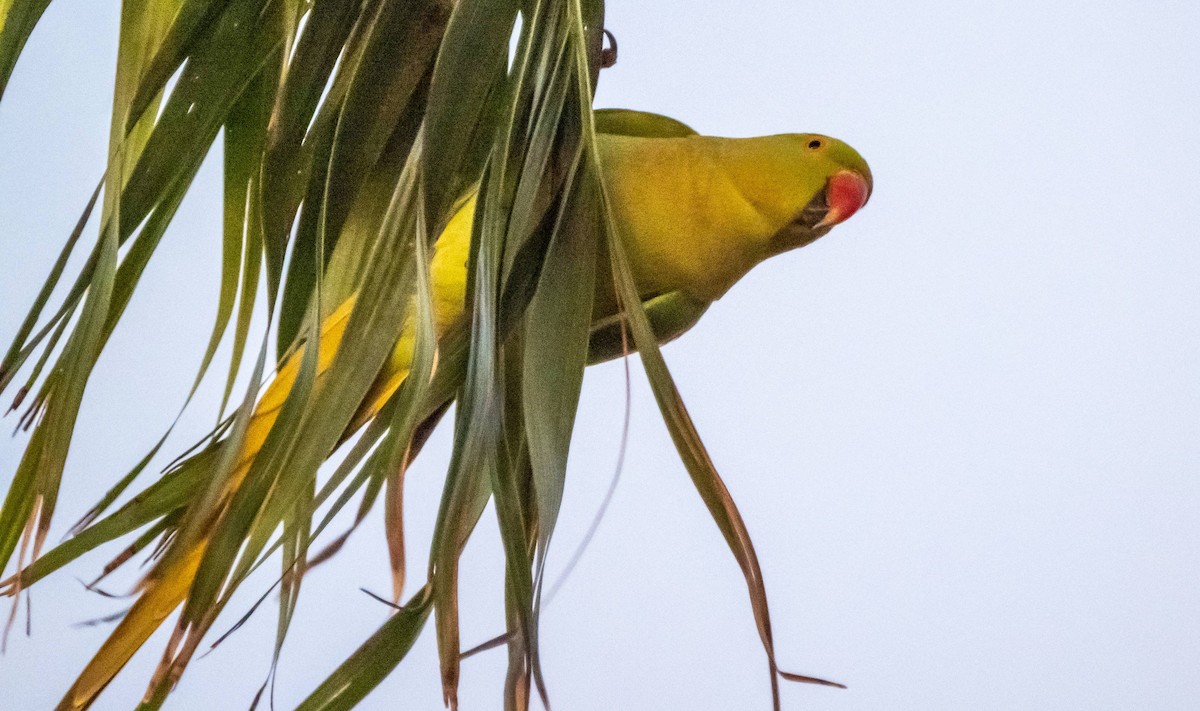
<point x="18" y="398"/>
<point x="608" y="55"/>
<point x="802" y="679"/>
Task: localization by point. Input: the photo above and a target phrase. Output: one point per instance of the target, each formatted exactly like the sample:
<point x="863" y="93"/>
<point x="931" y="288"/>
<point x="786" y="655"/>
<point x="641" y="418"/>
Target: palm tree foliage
<point x="352" y="131"/>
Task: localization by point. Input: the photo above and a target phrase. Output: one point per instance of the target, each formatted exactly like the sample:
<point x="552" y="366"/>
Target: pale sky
<point x="964" y="429"/>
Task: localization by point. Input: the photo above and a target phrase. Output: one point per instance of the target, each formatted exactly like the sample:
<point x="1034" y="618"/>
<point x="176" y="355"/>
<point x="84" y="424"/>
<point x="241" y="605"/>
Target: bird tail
<point x="169" y="584"/>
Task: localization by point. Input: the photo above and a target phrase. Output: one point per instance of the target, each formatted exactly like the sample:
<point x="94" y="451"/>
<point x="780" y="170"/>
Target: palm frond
<point x="352" y="133"/>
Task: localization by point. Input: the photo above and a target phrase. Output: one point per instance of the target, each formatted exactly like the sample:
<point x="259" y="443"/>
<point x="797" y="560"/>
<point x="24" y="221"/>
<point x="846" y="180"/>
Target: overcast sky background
<point x="964" y="429"/>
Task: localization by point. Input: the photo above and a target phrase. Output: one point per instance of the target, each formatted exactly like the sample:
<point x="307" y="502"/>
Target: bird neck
<point x="687" y="224"/>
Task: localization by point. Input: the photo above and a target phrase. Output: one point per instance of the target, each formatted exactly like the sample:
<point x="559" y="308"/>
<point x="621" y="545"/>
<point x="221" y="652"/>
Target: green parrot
<point x="696" y="213"/>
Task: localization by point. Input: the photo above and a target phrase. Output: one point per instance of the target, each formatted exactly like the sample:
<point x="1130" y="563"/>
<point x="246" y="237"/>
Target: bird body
<point x="695" y="213"/>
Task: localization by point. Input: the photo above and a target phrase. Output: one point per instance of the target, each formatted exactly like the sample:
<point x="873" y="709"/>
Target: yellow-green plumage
<point x="695" y="213"/>
<point x="698" y="212"/>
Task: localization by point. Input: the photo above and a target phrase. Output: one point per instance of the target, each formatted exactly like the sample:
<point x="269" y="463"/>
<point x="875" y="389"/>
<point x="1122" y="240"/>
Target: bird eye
<point x="814" y="144"/>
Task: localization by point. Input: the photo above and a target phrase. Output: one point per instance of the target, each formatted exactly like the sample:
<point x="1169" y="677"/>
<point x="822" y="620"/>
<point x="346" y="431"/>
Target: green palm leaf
<point x="352" y="133"/>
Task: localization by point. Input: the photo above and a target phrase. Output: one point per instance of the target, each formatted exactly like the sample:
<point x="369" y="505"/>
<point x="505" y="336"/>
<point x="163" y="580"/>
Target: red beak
<point x="846" y="193"/>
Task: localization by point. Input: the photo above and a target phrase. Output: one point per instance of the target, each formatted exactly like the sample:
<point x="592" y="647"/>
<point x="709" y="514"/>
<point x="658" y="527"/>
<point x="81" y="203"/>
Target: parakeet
<point x="695" y="214"/>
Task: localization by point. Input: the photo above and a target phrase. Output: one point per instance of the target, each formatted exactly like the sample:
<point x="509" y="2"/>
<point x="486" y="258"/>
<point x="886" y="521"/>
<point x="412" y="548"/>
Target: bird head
<point x="807" y="184"/>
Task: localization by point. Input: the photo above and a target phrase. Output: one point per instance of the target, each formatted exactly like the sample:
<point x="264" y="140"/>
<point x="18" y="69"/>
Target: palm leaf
<point x="352" y="133"/>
